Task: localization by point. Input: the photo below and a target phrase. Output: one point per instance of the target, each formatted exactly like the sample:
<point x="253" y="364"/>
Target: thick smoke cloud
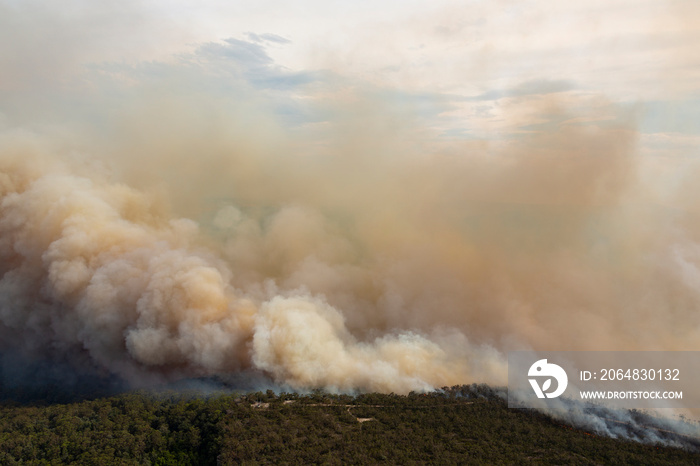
<point x="98" y="269"/>
<point x="372" y="268"/>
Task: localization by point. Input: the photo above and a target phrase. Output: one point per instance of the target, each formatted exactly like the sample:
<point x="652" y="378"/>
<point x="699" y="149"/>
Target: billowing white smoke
<point x="304" y="342"/>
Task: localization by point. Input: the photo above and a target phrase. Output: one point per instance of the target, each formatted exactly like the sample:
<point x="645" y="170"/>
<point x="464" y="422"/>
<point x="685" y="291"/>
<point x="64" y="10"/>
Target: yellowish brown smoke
<point x="98" y="268"/>
<point x="358" y="263"/>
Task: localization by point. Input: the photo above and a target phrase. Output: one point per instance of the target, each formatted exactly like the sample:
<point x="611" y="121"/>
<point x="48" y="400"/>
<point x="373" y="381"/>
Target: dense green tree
<point x="463" y="424"/>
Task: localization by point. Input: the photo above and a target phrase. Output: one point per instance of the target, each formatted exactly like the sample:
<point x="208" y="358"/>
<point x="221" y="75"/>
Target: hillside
<point x="458" y="425"/>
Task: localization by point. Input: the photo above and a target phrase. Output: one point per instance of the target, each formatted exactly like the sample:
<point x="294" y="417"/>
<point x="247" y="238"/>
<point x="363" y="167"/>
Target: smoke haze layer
<point x="365" y="270"/>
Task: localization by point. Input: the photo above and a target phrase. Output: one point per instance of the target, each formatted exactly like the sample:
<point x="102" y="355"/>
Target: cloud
<point x="267" y="37"/>
<point x="248" y="54"/>
<point x="250" y="60"/>
<point x="528" y="88"/>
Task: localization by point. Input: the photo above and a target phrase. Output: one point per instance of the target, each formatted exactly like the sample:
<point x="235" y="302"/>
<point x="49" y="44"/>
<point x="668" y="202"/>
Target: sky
<point x="189" y="187"/>
<point x="483" y="58"/>
<point x="472" y="71"/>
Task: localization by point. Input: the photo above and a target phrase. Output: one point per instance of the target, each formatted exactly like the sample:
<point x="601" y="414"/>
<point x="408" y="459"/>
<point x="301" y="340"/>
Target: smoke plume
<point x="100" y="271"/>
<point x="373" y="268"/>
